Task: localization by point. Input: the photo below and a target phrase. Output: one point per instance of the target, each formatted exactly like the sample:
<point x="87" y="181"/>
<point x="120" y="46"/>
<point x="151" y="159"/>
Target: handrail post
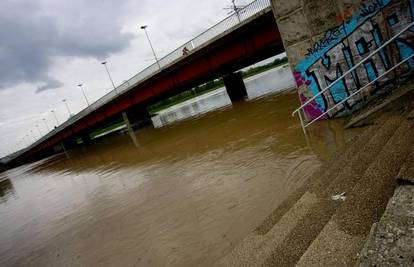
<point x="361" y="89"/>
<point x="301" y="122"/>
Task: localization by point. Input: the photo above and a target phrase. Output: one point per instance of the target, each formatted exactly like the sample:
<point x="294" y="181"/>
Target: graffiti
<point x="330" y="36"/>
<point x="300" y="80"/>
<point x="371" y="8"/>
<point x="346" y="45"/>
<point x="312" y="109"/>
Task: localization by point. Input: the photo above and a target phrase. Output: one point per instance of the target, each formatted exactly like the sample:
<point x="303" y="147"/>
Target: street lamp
<point x="144" y="27"/>
<point x="67" y="107"/>
<point x="235" y="8"/>
<point x="54" y="115"/>
<point x="83" y="92"/>
<point x="109" y="75"/>
<point x="47" y="126"/>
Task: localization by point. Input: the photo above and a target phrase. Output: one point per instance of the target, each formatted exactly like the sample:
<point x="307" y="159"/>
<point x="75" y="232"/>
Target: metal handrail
<point x="359" y="90"/>
<point x="353" y="68"/>
<point x="197" y="42"/>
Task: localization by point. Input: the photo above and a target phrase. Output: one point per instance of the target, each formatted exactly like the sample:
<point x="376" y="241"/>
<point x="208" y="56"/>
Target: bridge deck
<point x="238" y="41"/>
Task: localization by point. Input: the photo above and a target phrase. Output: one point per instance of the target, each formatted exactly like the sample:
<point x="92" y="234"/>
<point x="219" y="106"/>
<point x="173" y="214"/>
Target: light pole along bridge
<point x="244" y="38"/>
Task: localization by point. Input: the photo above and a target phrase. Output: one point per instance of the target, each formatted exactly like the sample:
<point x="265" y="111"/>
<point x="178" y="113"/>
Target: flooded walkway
<point x="185" y="197"/>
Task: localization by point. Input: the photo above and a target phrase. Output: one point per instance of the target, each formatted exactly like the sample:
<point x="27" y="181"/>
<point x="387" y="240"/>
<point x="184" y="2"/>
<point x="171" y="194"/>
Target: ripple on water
<point x="183" y="198"/>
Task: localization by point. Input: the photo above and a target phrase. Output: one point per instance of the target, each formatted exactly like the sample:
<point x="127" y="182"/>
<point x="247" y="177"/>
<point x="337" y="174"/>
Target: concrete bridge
<point x="325" y="41"/>
<point x="246" y="37"/>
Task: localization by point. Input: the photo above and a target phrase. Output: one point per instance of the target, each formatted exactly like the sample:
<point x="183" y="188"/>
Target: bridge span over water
<point x="242" y="39"/>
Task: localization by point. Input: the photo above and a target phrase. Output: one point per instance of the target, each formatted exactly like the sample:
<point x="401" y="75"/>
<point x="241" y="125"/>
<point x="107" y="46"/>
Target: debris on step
<point x="341" y="196"/>
<point x="391" y="240"/>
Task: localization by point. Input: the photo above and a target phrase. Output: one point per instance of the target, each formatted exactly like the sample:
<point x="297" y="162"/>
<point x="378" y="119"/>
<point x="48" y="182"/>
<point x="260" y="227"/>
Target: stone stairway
<point x="391" y="241"/>
<point x="311" y="229"/>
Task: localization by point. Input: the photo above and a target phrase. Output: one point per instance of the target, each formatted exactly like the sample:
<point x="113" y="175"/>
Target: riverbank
<point x="327" y="221"/>
<point x="214" y="85"/>
<point x="272" y="81"/>
<point x="259" y="82"/>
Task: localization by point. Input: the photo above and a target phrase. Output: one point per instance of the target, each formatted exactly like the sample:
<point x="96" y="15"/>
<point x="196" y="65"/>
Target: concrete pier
<point x="235" y="86"/>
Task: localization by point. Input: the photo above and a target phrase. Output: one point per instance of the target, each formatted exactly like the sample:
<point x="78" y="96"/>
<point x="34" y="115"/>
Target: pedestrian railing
<point x="300" y="110"/>
<point x="196" y="43"/>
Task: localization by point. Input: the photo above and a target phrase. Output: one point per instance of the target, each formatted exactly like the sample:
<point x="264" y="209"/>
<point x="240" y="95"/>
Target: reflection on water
<point x="6" y="189"/>
<point x="189" y="193"/>
<point x="193" y="107"/>
<point x="271" y="81"/>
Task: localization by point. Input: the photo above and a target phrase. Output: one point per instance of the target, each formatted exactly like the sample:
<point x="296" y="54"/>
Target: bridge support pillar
<point x="235" y="86"/>
<point x="67" y="144"/>
<point x="86" y="139"/>
<point x="138" y="117"/>
<point x="130" y="130"/>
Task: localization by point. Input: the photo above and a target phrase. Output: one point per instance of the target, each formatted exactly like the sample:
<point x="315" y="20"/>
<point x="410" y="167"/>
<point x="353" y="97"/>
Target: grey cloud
<point x="33" y="32"/>
<point x="51" y="84"/>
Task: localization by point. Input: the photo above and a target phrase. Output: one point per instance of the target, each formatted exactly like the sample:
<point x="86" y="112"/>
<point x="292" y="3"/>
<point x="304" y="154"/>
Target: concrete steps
<point x="287" y="233"/>
<point x="342" y="238"/>
<point x="406" y="174"/>
<point x="391" y="240"/>
<point x="255" y="249"/>
<point x="259" y="245"/>
<point x="297" y="242"/>
<point x="378" y="104"/>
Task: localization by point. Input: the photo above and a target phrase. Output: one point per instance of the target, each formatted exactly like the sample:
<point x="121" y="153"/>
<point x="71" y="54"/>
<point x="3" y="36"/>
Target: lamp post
<point x="236" y="9"/>
<point x="109" y="75"/>
<point x="83" y="92"/>
<point x="47" y="126"/>
<point x="54" y="115"/>
<point x="144" y="27"/>
<point x="67" y="107"/>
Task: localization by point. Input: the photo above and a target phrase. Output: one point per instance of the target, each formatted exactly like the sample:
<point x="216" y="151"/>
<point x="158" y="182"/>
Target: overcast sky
<point x="47" y="47"/>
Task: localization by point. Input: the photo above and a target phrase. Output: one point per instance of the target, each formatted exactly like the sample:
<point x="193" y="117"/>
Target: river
<point x="184" y="197"/>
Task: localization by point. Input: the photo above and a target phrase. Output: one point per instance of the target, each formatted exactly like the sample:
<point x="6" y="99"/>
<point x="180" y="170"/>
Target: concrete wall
<point x="325" y="38"/>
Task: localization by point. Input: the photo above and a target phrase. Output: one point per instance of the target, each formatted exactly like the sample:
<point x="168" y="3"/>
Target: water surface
<point x="184" y="197"/>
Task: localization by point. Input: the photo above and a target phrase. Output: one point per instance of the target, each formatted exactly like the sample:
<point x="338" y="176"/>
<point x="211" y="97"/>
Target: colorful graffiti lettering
<point x="300" y="80"/>
<point x="312" y="109"/>
<point x="346" y="45"/>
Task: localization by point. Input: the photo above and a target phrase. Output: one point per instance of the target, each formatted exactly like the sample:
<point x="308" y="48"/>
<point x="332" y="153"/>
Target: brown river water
<point x="184" y="197"/>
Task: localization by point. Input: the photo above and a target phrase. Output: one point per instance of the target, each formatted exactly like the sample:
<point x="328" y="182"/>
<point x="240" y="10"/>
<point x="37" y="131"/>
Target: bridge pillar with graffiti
<point x="326" y="38"/>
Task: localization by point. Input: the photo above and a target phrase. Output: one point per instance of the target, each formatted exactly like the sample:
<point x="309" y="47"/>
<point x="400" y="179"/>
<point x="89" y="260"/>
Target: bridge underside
<point x="250" y="43"/>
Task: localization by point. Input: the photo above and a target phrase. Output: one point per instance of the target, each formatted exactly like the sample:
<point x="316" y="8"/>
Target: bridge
<point x="244" y="38"/>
